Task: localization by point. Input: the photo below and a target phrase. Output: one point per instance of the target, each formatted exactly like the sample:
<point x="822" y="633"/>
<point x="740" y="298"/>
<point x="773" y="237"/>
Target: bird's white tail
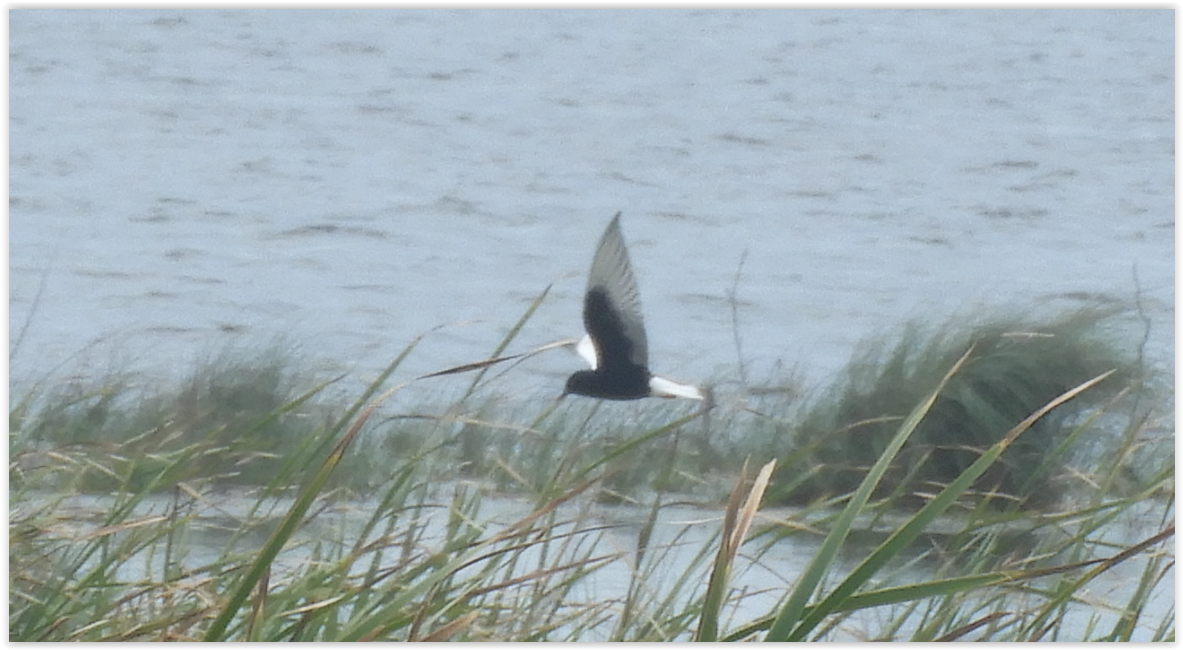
<point x="662" y="387"/>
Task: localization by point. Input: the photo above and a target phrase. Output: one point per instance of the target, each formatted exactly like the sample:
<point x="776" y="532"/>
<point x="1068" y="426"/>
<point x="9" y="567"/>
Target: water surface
<point x="182" y="180"/>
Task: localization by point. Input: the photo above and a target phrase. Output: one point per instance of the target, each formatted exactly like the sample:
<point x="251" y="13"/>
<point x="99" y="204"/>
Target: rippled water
<point x="180" y="180"/>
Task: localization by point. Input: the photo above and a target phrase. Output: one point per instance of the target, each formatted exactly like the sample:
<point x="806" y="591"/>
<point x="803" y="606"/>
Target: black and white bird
<point x="615" y="344"/>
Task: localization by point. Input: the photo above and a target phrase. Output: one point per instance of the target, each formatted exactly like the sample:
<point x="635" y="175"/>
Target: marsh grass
<point x="244" y="504"/>
<point x="1019" y="363"/>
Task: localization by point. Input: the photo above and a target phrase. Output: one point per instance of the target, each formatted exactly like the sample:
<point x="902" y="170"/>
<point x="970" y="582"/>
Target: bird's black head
<point x="582" y="382"/>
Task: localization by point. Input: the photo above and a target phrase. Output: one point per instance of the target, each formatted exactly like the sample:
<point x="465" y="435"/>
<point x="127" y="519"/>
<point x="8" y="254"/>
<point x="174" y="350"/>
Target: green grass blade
<point x="899" y="540"/>
<point x="790" y="615"/>
<point x="509" y="337"/>
<point x="291" y="521"/>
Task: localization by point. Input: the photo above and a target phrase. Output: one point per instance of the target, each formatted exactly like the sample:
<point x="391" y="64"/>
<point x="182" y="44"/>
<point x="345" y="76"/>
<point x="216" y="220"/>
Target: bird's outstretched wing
<point x="612" y="304"/>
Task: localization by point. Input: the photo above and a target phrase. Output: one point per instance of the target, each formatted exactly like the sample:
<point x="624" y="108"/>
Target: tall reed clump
<point x="236" y="419"/>
<point x="1017" y="365"/>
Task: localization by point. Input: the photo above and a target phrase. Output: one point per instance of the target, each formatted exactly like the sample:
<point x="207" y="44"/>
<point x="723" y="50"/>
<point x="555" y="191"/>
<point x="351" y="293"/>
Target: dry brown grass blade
<point x="731" y="512"/>
<point x="138" y="523"/>
<point x="540" y="574"/>
<point x="748" y="513"/>
<point x="446" y="632"/>
<point x="258" y="606"/>
<point x="970" y="627"/>
<point x="737" y="521"/>
<point x="1031" y="419"/>
<point x="523" y="524"/>
<point x="477" y="365"/>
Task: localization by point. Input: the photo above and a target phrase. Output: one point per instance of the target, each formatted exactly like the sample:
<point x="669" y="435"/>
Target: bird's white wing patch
<point x="663" y="387"/>
<point x="587" y="349"/>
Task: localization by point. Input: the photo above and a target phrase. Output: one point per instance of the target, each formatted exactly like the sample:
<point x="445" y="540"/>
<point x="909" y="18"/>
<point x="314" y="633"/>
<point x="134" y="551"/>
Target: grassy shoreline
<point x="422" y="559"/>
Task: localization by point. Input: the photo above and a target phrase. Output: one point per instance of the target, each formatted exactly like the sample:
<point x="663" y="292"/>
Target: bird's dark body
<point x="617" y="377"/>
<point x="631" y="383"/>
